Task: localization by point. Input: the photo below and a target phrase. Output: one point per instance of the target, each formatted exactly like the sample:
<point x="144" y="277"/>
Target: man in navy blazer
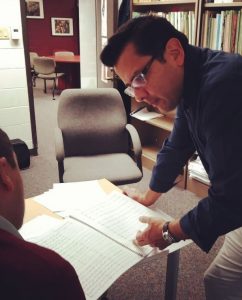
<point x="159" y="67"/>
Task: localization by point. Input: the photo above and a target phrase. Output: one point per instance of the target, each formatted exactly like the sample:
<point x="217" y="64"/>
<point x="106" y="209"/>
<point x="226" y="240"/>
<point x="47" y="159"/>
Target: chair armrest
<point x="59" y="145"/>
<point x="136" y="144"/>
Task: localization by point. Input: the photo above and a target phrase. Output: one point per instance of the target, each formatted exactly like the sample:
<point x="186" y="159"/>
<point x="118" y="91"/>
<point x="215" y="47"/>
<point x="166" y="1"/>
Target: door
<point x="107" y="16"/>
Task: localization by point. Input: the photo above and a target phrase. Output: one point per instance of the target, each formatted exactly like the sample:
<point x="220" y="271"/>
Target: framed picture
<point x="62" y="26"/>
<point x="34" y="9"/>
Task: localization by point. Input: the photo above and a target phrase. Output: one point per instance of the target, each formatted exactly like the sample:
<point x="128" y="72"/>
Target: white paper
<point x="118" y="218"/>
<point x="97" y="260"/>
<point x="145" y="115"/>
<point x="38" y="226"/>
<point x="68" y="196"/>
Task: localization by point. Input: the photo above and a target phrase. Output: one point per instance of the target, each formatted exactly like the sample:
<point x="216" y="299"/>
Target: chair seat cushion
<point x="50" y="76"/>
<point x="119" y="168"/>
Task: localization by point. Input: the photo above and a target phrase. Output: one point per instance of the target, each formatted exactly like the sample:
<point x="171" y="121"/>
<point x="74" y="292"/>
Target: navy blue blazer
<point x="209" y="121"/>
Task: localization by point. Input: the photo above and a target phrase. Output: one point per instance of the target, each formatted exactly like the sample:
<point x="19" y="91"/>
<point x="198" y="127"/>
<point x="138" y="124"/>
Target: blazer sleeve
<point x="174" y="154"/>
<point x="221" y="211"/>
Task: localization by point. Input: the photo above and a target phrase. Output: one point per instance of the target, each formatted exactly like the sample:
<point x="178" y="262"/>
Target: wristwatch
<point x="167" y="236"/>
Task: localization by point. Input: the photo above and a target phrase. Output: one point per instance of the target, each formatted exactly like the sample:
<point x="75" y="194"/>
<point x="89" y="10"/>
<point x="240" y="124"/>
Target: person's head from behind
<point x="11" y="185"/>
<point x="148" y="54"/>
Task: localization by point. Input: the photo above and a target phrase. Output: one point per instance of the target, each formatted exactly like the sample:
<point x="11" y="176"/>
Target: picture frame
<point x="34" y="9"/>
<point x="62" y="26"/>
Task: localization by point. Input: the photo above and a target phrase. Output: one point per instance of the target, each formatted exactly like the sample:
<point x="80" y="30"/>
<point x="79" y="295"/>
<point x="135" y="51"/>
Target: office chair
<point x="93" y="139"/>
<point x="33" y="73"/>
<point x="45" y="69"/>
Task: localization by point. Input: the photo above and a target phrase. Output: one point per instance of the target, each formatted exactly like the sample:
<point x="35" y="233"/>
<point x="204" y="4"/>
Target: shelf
<point x="164" y="6"/>
<point x="149" y="154"/>
<point x="222" y="5"/>
<point x="168" y="2"/>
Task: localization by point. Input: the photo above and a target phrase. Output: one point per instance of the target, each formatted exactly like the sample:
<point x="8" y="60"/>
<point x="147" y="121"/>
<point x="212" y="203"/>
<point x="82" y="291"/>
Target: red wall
<point x="40" y="38"/>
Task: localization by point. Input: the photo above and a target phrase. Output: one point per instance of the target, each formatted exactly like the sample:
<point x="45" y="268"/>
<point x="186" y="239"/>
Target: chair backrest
<point x="64" y="53"/>
<point x="92" y="122"/>
<point x="44" y="65"/>
<point x="31" y="58"/>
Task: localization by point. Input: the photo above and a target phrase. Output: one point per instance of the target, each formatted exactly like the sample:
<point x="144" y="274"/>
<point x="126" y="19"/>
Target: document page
<point x="117" y="217"/>
<point x="97" y="260"/>
<point x="64" y="197"/>
<point x="144" y="115"/>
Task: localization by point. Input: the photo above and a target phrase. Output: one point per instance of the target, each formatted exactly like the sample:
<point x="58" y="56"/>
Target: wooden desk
<point x="34" y="209"/>
<point x="70" y="65"/>
<point x="72" y="59"/>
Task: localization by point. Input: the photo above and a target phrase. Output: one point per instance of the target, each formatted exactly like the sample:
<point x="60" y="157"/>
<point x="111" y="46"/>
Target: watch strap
<point x="167" y="236"/>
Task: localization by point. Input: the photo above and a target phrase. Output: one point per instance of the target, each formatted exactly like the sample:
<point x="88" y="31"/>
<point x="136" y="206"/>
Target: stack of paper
<point x="66" y="197"/>
<point x="98" y="261"/>
<point x="97" y="237"/>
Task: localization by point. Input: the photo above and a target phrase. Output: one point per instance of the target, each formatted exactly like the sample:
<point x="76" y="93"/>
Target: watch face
<point x="166" y="236"/>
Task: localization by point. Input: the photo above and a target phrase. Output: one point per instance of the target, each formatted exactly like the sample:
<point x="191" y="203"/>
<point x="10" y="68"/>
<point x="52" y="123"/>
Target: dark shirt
<point x="28" y="271"/>
<point x="209" y="121"/>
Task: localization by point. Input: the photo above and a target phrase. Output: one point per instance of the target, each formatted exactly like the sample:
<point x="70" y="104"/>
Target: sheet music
<point x="97" y="260"/>
<point x="73" y="195"/>
<point x="117" y="217"/>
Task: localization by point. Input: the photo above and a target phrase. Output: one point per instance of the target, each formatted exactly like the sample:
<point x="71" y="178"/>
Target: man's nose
<point x="140" y="94"/>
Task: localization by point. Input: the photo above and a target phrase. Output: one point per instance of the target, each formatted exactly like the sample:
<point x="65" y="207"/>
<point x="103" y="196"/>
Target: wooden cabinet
<point x="197" y="187"/>
<point x="152" y="134"/>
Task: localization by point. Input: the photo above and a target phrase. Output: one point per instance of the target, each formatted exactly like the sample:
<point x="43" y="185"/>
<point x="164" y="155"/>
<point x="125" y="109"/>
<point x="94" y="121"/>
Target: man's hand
<point x="152" y="235"/>
<point x="146" y="199"/>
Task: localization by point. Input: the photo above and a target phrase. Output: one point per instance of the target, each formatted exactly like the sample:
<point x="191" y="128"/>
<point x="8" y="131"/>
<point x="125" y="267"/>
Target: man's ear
<point x="6" y="182"/>
<point x="175" y="51"/>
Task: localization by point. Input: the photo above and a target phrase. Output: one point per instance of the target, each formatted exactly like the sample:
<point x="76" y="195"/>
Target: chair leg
<point x="34" y="80"/>
<point x="33" y="77"/>
<point x="45" y="86"/>
<point x="53" y="89"/>
<point x="61" y="171"/>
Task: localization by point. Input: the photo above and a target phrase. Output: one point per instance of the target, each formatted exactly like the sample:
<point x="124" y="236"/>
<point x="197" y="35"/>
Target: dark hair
<point x="6" y="149"/>
<point x="149" y="33"/>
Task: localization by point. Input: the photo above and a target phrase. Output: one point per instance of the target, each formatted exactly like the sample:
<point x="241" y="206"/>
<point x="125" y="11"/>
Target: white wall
<point x="88" y="43"/>
<point x="14" y="104"/>
<point x="119" y="2"/>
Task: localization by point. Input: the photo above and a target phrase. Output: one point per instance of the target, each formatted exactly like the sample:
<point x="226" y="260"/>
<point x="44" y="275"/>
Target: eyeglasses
<point x="139" y="80"/>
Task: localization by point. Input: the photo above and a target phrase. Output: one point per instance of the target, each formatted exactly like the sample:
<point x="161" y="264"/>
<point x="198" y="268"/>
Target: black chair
<point x="93" y="139"/>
